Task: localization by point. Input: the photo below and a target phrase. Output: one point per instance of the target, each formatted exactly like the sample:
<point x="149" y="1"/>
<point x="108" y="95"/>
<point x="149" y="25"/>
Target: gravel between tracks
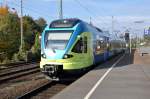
<point x="18" y="86"/>
<point x="15" y="90"/>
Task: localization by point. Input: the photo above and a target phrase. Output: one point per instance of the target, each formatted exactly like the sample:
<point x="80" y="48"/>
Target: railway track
<point x="41" y="91"/>
<point x="18" y="72"/>
<point x="49" y="89"/>
<point x="14" y="65"/>
<point x="45" y="91"/>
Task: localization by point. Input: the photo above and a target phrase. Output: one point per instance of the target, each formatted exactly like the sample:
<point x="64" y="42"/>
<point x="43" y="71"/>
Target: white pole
<point x="60" y="9"/>
<point x="5" y="3"/>
<point x="91" y="20"/>
<point x="130" y="44"/>
<point x="112" y="24"/>
<point x="21" y="25"/>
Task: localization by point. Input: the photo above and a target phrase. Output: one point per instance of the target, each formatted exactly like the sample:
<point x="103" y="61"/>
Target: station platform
<point x="126" y="76"/>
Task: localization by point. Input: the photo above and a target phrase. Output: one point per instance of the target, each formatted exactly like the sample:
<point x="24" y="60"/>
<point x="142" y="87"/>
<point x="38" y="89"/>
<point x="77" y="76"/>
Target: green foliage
<point x="2" y="56"/>
<point x="41" y="22"/>
<point x="6" y="60"/>
<point x="20" y="56"/>
<point x="9" y="34"/>
<point x="31" y="27"/>
<point x="147" y="40"/>
<point x="36" y="48"/>
<point x="10" y="37"/>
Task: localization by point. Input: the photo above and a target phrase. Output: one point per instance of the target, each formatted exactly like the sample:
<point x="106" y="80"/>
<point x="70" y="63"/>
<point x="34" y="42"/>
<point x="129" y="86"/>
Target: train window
<point x="98" y="45"/>
<point x="57" y="39"/>
<point x="101" y="45"/>
<point x="80" y="46"/>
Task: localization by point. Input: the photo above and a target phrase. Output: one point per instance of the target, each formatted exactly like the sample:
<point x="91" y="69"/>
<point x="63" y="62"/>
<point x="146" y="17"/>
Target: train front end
<point x="58" y="48"/>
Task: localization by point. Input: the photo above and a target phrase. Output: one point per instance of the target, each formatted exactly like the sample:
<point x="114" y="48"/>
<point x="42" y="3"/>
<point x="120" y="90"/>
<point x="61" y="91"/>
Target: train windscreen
<point x="57" y="39"/>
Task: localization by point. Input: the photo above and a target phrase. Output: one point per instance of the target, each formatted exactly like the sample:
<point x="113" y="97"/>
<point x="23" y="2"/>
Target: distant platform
<point x="144" y="51"/>
<point x="123" y="77"/>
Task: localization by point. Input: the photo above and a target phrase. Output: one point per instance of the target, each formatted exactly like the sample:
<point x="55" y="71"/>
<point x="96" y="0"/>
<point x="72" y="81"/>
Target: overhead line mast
<point x="112" y="24"/>
<point x="21" y="25"/>
<point x="60" y="9"/>
<point x="5" y="3"/>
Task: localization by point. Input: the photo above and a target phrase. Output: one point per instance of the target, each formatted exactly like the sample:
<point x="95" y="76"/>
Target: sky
<point x="128" y="14"/>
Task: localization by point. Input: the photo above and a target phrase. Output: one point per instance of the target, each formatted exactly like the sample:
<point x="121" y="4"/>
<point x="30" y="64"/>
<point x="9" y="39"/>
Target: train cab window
<point x="80" y="46"/>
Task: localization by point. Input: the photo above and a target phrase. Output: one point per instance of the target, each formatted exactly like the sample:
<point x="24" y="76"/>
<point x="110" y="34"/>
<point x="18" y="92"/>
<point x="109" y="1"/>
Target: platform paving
<point x="127" y="80"/>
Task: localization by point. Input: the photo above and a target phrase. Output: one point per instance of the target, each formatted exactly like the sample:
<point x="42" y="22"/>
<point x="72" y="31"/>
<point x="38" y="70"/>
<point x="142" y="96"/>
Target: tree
<point x="3" y="10"/>
<point x="9" y="34"/>
<point x="42" y="23"/>
<point x="30" y="29"/>
<point x="147" y="40"/>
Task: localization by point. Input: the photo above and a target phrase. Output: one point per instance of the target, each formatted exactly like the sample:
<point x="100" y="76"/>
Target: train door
<point x="106" y="48"/>
<point x="101" y="52"/>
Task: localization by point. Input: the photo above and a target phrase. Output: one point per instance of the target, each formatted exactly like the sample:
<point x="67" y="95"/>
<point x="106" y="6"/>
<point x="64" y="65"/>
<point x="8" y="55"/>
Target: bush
<point x="6" y="61"/>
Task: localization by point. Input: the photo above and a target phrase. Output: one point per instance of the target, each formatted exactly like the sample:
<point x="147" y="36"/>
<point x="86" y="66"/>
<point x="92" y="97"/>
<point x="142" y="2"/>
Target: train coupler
<point x="52" y="71"/>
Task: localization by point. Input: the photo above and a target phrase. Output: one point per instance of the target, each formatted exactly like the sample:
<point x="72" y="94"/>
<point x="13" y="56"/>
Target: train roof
<point x="70" y="23"/>
<point x="64" y="23"/>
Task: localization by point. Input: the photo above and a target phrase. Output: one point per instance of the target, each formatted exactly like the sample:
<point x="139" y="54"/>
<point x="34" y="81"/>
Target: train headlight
<point x="67" y="56"/>
<point x="43" y="55"/>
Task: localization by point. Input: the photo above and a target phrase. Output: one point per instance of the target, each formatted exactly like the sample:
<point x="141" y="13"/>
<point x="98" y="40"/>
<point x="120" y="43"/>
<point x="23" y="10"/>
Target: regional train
<point x="71" y="45"/>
